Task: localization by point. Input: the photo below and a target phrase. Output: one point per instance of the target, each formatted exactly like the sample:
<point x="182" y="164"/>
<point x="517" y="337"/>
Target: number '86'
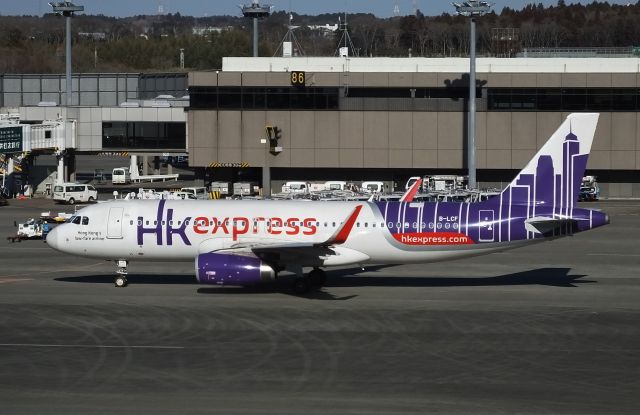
<point x="297" y="77"/>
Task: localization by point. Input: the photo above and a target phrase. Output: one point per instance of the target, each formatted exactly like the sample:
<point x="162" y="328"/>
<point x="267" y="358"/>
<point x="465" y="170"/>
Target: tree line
<point x="35" y="44"/>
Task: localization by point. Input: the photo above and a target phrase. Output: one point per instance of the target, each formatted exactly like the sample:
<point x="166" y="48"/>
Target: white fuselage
<point x="170" y="230"/>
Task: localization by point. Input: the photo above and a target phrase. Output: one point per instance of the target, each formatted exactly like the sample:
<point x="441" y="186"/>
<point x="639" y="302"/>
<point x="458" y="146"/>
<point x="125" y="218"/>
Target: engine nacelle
<point x="232" y="269"/>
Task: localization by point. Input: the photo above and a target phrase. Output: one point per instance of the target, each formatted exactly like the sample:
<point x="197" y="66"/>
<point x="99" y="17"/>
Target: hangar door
<point x="114" y="226"/>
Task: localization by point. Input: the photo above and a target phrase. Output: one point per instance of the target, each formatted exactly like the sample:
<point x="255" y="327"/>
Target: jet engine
<point x="232" y="269"/>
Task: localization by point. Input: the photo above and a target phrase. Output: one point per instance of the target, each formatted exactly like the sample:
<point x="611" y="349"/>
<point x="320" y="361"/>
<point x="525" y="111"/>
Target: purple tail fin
<point x="552" y="178"/>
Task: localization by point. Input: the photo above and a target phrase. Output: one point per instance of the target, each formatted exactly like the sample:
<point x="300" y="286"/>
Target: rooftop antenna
<point x="255" y="11"/>
<point x="160" y="7"/>
<point x="290" y="45"/>
<point x="345" y="41"/>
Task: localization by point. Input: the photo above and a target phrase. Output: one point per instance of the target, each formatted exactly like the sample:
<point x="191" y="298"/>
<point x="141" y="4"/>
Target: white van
<point x="197" y="192"/>
<point x="120" y="175"/>
<point x="74" y="192"/>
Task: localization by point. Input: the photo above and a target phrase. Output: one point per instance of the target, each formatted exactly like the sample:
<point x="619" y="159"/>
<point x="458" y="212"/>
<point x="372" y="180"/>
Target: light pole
<point x="472" y="9"/>
<point x="68" y="10"/>
<point x="255" y="11"/>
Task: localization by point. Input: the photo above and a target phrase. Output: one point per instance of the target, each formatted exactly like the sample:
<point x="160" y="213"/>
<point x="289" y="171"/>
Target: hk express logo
<point x="168" y="228"/>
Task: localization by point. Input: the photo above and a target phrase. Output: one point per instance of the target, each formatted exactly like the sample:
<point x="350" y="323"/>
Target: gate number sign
<point x="298" y="78"/>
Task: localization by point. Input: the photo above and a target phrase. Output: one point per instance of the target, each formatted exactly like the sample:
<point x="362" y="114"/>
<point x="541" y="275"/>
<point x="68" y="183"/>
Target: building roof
<point x="452" y="65"/>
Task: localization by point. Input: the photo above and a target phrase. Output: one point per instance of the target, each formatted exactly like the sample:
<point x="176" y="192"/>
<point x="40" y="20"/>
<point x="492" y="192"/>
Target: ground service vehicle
<point x="120" y="175"/>
<point x="372" y="187"/>
<point x="72" y="193"/>
<point x="197" y="192"/>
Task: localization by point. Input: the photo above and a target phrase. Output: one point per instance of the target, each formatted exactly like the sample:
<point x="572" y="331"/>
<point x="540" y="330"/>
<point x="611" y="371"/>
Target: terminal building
<point x="391" y="118"/>
<point x="271" y="120"/>
<point x="112" y="114"/>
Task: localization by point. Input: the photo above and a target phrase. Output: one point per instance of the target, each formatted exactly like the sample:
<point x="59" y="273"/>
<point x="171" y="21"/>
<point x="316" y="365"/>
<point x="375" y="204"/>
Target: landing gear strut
<point x="121" y="277"/>
<point x="315" y="279"/>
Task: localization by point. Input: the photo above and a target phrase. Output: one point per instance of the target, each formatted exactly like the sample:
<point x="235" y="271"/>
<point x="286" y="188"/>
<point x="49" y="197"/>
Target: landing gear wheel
<point x="301" y="285"/>
<point x="121" y="281"/>
<point x="121" y="273"/>
<point x="317" y="277"/>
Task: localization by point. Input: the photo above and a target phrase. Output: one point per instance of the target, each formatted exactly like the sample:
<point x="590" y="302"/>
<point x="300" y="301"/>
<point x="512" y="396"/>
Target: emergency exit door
<point x="114" y="226"/>
<point x="486" y="226"/>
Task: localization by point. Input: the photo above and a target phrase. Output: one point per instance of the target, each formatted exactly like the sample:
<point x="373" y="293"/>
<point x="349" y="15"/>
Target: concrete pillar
<point x="156" y="165"/>
<point x="266" y="181"/>
<point x="65" y="173"/>
<point x="60" y="172"/>
<point x="133" y="164"/>
<point x="71" y="163"/>
<point x="145" y="165"/>
<point x="169" y="168"/>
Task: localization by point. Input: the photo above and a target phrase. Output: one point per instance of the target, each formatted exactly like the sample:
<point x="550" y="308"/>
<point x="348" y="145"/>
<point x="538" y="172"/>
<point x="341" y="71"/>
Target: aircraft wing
<point x="306" y="253"/>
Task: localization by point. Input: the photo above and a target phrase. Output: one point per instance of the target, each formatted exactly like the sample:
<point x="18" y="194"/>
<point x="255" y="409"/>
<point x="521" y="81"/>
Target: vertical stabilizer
<point x="552" y="178"/>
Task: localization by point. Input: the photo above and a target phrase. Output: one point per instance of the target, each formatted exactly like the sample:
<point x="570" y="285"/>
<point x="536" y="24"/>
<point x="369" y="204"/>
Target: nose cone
<point x="52" y="238"/>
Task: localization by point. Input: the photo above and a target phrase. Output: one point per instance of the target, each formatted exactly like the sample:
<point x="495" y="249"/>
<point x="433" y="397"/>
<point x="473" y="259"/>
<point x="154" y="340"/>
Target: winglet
<point x="342" y="233"/>
<point x="411" y="192"/>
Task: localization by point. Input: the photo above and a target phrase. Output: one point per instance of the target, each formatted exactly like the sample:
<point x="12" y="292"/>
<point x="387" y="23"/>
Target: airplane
<point x="236" y="242"/>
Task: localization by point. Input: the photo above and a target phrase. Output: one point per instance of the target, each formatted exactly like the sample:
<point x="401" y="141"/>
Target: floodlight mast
<point x="256" y="11"/>
<point x="68" y="10"/>
<point x="472" y="9"/>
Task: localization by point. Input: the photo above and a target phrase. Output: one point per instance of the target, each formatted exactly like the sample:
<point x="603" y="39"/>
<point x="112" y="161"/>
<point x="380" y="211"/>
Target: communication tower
<point x="345" y="41"/>
<point x="290" y="45"/>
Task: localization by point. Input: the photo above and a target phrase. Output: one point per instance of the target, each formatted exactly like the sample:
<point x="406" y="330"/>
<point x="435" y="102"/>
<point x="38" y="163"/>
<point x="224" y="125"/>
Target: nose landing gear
<point x="121" y="277"/>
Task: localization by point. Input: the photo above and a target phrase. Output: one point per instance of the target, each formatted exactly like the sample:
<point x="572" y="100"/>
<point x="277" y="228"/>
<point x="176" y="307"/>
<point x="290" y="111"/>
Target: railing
<point x="604" y="52"/>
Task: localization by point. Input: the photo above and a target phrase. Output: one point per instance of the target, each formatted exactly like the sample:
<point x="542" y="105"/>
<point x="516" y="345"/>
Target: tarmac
<point x="551" y="328"/>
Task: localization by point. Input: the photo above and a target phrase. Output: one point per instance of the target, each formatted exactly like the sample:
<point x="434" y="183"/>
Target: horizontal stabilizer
<point x="544" y="225"/>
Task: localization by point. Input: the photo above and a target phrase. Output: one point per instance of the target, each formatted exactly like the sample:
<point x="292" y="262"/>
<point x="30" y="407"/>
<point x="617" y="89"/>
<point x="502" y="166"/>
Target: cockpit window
<point x="76" y="220"/>
<point x="85" y="220"/>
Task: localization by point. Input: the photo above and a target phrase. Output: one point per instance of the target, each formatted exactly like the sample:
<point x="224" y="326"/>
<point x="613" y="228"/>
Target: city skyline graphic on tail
<point x="544" y="192"/>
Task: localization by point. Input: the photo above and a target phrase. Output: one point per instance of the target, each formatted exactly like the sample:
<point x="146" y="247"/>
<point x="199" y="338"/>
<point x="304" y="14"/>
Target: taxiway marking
<point x="89" y="346"/>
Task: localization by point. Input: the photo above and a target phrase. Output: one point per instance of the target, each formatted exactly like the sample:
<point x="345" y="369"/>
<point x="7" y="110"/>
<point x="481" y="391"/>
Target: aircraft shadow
<point x="555" y="277"/>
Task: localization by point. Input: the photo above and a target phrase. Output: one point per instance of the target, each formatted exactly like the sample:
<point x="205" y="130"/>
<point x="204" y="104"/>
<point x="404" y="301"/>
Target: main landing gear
<point x="121" y="277"/>
<point x="315" y="279"/>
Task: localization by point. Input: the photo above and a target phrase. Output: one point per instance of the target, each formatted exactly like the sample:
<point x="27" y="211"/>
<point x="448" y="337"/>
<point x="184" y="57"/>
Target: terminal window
<point x="563" y="99"/>
<point x="147" y="135"/>
<point x="263" y="98"/>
